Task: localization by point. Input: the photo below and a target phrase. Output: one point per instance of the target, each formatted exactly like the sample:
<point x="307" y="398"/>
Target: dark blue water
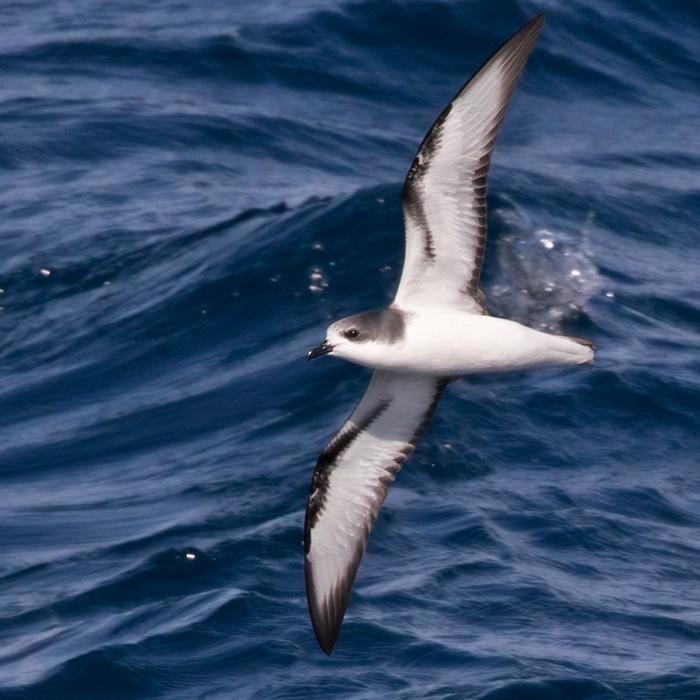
<point x="189" y="193"/>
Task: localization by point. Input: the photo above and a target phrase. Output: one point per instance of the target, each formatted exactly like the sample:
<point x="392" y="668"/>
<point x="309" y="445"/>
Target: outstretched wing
<point x="349" y="485"/>
<point x="444" y="195"/>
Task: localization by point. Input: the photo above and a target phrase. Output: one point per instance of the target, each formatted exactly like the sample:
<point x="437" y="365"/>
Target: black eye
<point x="352" y="333"/>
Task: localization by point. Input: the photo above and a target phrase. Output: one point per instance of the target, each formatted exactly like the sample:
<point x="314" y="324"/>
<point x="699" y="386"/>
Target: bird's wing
<point x="444" y="195"/>
<point x="350" y="483"/>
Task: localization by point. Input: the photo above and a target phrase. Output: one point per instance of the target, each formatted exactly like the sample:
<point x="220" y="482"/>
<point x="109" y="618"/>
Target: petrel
<point x="435" y="330"/>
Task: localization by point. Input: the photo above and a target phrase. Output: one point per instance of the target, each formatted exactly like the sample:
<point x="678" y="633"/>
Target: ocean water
<point x="190" y="192"/>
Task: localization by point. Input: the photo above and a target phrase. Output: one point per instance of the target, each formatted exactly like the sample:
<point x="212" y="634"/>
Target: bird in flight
<point x="435" y="331"/>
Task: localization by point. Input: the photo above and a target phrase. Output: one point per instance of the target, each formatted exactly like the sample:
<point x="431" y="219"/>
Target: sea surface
<point x="189" y="193"/>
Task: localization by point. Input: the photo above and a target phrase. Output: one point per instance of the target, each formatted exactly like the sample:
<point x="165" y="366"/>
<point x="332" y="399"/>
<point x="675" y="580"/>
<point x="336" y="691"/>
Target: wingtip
<point x="325" y="618"/>
<point x="532" y="26"/>
<point x="326" y="631"/>
<point x="537" y="20"/>
<point x="327" y="644"/>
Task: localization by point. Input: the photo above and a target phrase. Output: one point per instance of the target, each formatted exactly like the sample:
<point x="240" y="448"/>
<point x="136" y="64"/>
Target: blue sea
<point x="190" y="192"/>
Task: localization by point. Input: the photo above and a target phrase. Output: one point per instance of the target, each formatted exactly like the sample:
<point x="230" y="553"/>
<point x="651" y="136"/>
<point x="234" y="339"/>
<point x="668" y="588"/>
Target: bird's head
<point x="363" y="338"/>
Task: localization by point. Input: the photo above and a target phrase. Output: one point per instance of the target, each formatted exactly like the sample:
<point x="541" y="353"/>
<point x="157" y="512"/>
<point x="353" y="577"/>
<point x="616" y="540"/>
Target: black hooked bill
<point x="323" y="349"/>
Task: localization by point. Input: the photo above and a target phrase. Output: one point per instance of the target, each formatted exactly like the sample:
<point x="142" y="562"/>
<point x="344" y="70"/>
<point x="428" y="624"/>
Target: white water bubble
<point x="317" y="280"/>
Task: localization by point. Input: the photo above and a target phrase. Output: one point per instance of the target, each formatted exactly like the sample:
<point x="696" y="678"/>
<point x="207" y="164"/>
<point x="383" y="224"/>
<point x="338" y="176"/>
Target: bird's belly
<point x="456" y="346"/>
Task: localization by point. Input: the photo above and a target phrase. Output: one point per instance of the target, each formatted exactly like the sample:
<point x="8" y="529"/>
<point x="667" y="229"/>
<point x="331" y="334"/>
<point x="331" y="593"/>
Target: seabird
<point x="436" y="330"/>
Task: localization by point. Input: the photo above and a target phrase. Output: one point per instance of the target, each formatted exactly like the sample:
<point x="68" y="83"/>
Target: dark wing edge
<point x="327" y="613"/>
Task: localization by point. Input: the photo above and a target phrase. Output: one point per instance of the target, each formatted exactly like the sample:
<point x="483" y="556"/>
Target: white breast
<point x="444" y="342"/>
